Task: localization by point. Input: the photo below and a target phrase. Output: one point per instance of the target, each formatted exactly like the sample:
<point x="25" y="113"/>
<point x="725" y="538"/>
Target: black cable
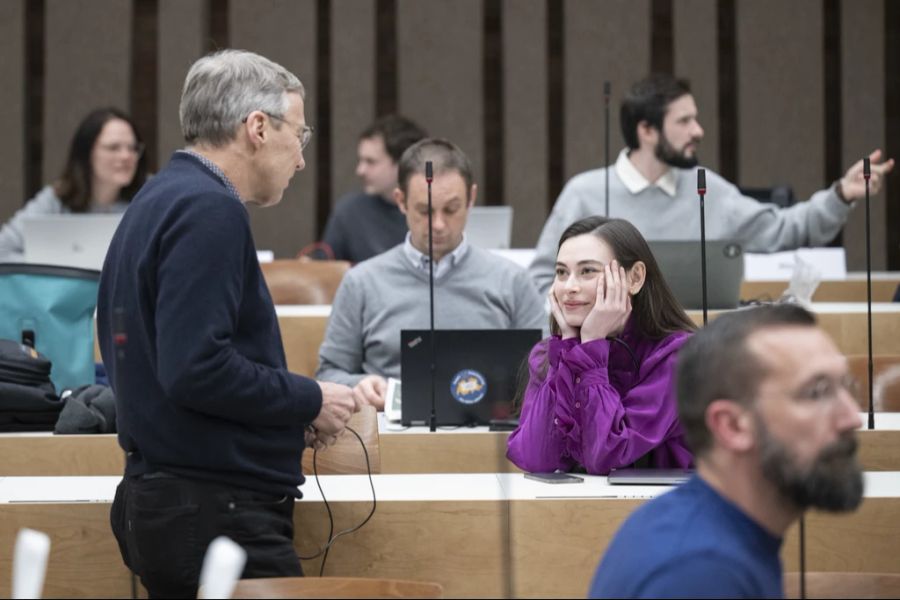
<point x="332" y="537"/>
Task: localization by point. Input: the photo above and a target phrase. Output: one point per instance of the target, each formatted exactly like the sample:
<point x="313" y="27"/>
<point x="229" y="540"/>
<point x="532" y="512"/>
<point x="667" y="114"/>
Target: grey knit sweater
<point x="759" y="227"/>
<point x="379" y="297"/>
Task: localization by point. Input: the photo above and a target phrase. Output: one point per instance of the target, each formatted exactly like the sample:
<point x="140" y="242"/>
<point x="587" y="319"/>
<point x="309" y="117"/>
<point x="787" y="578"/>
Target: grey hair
<point x="222" y="88"/>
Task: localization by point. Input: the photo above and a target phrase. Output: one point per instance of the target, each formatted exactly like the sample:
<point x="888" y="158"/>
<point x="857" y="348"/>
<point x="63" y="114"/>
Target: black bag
<point x="28" y="400"/>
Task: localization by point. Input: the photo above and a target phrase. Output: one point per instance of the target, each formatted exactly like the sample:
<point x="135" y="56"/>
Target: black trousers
<point x="165" y="523"/>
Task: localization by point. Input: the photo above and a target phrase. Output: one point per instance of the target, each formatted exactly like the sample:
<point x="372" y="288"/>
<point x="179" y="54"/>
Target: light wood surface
<point x="849" y="290"/>
<point x="334" y="587"/>
<point x="414" y="450"/>
<point x="526" y="541"/>
<point x="843" y="585"/>
<point x="303" y="329"/>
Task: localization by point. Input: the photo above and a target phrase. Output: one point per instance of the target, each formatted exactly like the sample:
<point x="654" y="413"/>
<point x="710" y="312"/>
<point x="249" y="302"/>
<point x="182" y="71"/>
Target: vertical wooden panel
<point x="88" y="54"/>
<point x="863" y="91"/>
<point x="181" y="31"/>
<point x="284" y="31"/>
<point x="603" y="41"/>
<point x="780" y="91"/>
<point x="696" y="59"/>
<point x="352" y="86"/>
<point x="12" y="96"/>
<point x="525" y="117"/>
<point x="439" y="51"/>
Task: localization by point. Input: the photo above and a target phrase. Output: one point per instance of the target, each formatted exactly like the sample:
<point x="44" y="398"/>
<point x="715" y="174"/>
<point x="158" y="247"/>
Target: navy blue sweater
<point x="202" y="386"/>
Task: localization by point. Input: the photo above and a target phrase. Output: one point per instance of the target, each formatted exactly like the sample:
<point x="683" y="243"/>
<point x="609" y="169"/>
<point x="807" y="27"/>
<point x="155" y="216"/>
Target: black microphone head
<point x="429" y="173"/>
<point x="701" y="180"/>
<point x="867" y="167"/>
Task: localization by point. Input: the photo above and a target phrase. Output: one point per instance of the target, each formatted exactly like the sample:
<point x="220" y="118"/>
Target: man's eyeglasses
<point x="304" y="137"/>
<point x="826" y="388"/>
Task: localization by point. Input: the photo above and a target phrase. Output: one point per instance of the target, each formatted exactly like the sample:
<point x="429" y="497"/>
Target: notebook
<point x="490" y="227"/>
<point x="680" y="264"/>
<point x="69" y="240"/>
<point x="476" y="375"/>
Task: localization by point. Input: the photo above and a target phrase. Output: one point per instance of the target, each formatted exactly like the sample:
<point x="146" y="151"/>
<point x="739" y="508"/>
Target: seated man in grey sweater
<point x="473" y="289"/>
<point x="654" y="185"/>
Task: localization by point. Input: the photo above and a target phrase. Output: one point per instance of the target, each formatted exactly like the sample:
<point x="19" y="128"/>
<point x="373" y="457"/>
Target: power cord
<point x="333" y="537"/>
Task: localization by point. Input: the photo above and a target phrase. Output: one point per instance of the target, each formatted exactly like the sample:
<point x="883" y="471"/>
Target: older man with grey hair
<point x="212" y="422"/>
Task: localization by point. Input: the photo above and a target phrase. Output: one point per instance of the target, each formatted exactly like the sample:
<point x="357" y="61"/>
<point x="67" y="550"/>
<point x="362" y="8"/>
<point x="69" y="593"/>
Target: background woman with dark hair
<point x="104" y="170"/>
<point x="601" y="392"/>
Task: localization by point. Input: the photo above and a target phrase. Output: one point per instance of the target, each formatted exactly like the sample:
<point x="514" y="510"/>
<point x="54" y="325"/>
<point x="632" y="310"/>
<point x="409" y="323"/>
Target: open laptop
<point x="490" y="227"/>
<point x="69" y="240"/>
<point x="476" y="373"/>
<point x="680" y="263"/>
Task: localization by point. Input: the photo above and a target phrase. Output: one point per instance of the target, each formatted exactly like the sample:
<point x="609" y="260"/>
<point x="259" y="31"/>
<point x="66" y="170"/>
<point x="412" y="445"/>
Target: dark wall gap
<point x="323" y="114"/>
<point x="892" y="122"/>
<point x="831" y="63"/>
<point x="34" y="97"/>
<point x="144" y="79"/>
<point x="493" y="103"/>
<point x="662" y="44"/>
<point x="385" y="57"/>
<point x="555" y="100"/>
<point x="728" y="93"/>
<point x="217" y="37"/>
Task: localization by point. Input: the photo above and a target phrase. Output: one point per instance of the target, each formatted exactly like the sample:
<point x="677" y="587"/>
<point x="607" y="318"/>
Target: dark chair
<point x="779" y="195"/>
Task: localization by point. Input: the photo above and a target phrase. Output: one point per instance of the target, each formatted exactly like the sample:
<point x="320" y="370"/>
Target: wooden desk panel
<point x="849" y="290"/>
<point x="401" y="452"/>
<point x="554" y="544"/>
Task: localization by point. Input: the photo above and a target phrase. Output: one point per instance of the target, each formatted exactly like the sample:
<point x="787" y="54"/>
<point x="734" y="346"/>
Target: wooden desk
<point x="479" y="535"/>
<point x="850" y="289"/>
<point x="303" y="329"/>
<point x="412" y="450"/>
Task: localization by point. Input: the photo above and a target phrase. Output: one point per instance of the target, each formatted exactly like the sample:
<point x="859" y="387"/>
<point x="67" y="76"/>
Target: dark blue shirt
<point x="202" y="386"/>
<point x="690" y="543"/>
<point x="362" y="226"/>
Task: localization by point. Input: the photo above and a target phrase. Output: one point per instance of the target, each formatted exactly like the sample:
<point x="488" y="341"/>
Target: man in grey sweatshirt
<point x="654" y="185"/>
<point x="473" y="288"/>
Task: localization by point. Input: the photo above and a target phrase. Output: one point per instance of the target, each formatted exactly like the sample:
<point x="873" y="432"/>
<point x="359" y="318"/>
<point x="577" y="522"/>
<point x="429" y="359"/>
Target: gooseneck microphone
<point x="429" y="177"/>
<point x="607" y="88"/>
<point x="701" y="191"/>
<point x="867" y="175"/>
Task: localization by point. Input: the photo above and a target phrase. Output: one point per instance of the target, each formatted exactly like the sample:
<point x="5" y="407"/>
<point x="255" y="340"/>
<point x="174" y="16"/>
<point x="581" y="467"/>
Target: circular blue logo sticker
<point x="468" y="386"/>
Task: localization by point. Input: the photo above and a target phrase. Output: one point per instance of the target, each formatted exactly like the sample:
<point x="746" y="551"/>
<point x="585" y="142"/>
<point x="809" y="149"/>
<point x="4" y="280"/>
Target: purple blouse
<point x="591" y="405"/>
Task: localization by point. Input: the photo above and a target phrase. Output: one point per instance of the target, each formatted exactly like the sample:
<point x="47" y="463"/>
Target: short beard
<point x="672" y="157"/>
<point x="833" y="482"/>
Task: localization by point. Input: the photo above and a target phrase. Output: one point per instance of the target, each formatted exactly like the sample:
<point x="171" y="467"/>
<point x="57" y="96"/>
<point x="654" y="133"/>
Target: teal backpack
<point x="52" y="309"/>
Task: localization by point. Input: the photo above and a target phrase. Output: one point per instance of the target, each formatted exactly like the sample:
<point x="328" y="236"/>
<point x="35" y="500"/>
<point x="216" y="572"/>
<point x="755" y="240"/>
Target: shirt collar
<point x="215" y="170"/>
<point x="419" y="260"/>
<point x="637" y="183"/>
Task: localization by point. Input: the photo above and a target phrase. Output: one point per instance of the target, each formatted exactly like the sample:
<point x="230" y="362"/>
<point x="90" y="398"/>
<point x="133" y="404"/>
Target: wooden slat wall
<point x="437" y="78"/>
<point x="781" y="109"/>
<point x="12" y="98"/>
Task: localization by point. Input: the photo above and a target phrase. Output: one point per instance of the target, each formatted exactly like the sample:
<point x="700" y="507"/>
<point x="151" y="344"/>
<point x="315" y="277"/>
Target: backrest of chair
<point x="304" y="281"/>
<point x="886" y="368"/>
<point x="346" y="457"/>
<point x="335" y="587"/>
<point x="843" y="585"/>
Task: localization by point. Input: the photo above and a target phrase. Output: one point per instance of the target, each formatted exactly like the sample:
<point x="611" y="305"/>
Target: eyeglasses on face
<point x="136" y="149"/>
<point x="304" y="137"/>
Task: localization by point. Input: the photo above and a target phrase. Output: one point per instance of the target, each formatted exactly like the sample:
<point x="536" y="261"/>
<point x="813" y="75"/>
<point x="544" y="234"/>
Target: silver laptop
<point x="680" y="264"/>
<point x="69" y="240"/>
<point x="490" y="227"/>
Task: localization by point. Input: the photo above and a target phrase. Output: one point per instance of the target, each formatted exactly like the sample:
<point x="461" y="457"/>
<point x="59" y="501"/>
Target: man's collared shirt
<point x="216" y="171"/>
<point x="442" y="267"/>
<point x="637" y="183"/>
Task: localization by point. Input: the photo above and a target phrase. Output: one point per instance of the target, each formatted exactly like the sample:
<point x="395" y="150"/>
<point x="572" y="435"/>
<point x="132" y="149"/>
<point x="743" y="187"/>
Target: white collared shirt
<point x="636" y="183"/>
<point x="443" y="266"/>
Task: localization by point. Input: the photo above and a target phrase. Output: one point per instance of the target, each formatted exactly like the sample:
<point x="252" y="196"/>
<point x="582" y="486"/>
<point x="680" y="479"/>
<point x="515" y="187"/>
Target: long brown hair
<point x="74" y="185"/>
<point x="656" y="312"/>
